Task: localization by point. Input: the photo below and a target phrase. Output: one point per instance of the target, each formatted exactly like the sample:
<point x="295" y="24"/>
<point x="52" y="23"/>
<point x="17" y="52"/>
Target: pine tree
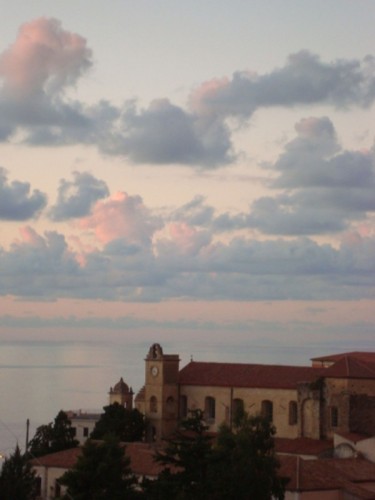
<point x="102" y="472"/>
<point x="17" y="480"/>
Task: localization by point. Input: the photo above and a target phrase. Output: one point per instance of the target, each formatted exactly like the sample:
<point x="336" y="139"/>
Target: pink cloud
<point x="187" y="239"/>
<point x="121" y="217"/>
<point x="44" y="57"/>
<point x="30" y="237"/>
<point x="202" y="97"/>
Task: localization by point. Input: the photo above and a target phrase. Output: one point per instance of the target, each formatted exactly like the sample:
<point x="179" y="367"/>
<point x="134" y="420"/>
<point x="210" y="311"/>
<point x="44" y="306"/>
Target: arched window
<point x="209" y="408"/>
<point x="183" y="406"/>
<point x="153" y="404"/>
<point x="267" y="410"/>
<point x="170" y="406"/>
<point x="334" y="416"/>
<point x="293" y="413"/>
<point x="238" y="409"/>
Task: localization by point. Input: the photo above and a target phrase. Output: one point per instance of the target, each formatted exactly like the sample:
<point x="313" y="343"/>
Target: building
<point x="336" y="394"/>
<point x="49" y="468"/>
<point x="83" y="422"/>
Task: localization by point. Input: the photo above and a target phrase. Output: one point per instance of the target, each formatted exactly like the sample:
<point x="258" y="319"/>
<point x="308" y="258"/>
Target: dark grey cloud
<point x="76" y="198"/>
<point x="17" y="202"/>
<point x="242" y="269"/>
<point x="304" y="79"/>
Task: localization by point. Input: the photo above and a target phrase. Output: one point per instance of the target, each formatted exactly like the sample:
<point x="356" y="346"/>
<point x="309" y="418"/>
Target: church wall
<point x="336" y="399"/>
<point x="252" y="398"/>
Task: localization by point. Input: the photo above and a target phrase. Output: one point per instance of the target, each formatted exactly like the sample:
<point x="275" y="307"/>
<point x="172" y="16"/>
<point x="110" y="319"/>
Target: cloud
<point x="304" y="79"/>
<point x="122" y="217"/>
<point x="38" y="266"/>
<point x="76" y="198"/>
<point x="325" y="188"/>
<point x="36" y="70"/>
<point x="164" y="133"/>
<point x="196" y="212"/>
<point x="16" y="201"/>
<point x="241" y="269"/>
<point x="45" y="60"/>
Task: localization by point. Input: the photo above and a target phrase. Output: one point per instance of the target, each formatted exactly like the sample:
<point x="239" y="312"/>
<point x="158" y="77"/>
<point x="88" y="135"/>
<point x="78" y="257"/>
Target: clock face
<point x="154" y="371"/>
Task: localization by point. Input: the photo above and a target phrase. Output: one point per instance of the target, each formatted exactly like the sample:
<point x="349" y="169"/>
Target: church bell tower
<point x="161" y="392"/>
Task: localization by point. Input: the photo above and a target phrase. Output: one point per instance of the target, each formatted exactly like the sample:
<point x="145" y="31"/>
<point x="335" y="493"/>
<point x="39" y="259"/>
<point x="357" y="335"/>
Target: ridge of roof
<point x="361" y="355"/>
<point x="350" y="366"/>
<point x="247" y="375"/>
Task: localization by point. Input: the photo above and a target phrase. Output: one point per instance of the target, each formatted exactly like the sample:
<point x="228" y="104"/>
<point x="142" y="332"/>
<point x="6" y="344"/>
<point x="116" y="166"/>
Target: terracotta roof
<point x="247" y="375"/>
<point x="328" y="474"/>
<point x="141" y="459"/>
<point x="363" y="356"/>
<point x="303" y="446"/>
<point x="351" y="367"/>
<point x="62" y="459"/>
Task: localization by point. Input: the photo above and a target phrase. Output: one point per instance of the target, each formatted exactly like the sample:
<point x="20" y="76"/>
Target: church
<point x="335" y="394"/>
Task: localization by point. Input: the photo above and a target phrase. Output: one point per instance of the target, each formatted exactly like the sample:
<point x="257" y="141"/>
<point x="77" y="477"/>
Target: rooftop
<point x="247" y="375"/>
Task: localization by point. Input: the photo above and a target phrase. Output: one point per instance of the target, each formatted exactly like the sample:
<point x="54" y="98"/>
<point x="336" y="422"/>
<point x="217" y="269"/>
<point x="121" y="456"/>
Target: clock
<point x="154" y="371"/>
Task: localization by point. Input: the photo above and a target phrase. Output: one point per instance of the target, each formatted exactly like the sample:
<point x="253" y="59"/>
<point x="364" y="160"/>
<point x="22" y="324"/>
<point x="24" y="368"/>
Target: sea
<point x="39" y="378"/>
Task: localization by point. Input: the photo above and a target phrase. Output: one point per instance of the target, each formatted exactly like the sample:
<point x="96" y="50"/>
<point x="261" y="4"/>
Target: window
<point x="85" y="432"/>
<point x="153" y="404"/>
<point x="57" y="489"/>
<point x="170" y="406"/>
<point x="293" y="413"/>
<point x="238" y="409"/>
<point x="209" y="408"/>
<point x="334" y="416"/>
<point x="267" y="410"/>
<point x="183" y="407"/>
<point x="38" y="486"/>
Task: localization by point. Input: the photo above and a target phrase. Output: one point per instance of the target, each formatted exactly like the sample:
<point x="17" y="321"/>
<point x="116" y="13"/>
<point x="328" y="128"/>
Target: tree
<point x="127" y="425"/>
<point x="17" y="479"/>
<point x="102" y="472"/>
<point x="239" y="465"/>
<point x="53" y="437"/>
<point x="186" y="459"/>
<point x="243" y="463"/>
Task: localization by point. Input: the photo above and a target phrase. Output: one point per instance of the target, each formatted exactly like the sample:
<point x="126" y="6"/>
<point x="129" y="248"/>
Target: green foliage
<point x="102" y="472"/>
<point x="17" y="480"/>
<point x="53" y="437"/>
<point x="239" y="465"/>
<point x="186" y="459"/>
<point x="127" y="425"/>
<point x="243" y="463"/>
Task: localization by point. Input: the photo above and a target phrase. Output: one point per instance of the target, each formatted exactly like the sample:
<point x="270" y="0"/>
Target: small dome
<point x="121" y="387"/>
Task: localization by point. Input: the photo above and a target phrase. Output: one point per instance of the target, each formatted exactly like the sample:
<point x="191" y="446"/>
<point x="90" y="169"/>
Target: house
<point x="336" y="394"/>
<point x="83" y="423"/>
<point x="49" y="468"/>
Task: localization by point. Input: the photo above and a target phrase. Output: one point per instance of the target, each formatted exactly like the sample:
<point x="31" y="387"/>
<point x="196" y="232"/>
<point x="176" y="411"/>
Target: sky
<point x="188" y="169"/>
